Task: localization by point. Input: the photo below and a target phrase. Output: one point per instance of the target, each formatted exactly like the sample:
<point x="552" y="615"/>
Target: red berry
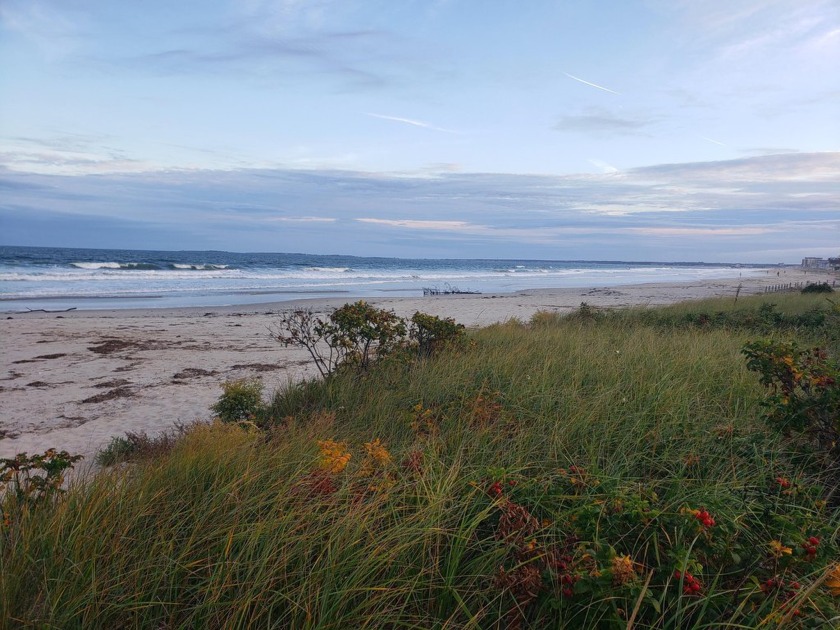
<point x="814" y="541"/>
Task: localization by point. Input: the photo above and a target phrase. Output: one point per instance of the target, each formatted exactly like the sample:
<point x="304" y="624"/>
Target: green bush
<point x="818" y="287"/>
<point x="433" y="333"/>
<point x="804" y="389"/>
<point x="28" y="482"/>
<point x="240" y="400"/>
<point x="356" y="334"/>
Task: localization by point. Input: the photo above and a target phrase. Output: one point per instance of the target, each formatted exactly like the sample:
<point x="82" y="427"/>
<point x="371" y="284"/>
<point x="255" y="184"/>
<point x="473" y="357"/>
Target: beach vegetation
<point x="137" y="445"/>
<point x="803" y="391"/>
<point x="817" y="287"/>
<point x="241" y="400"/>
<point x="431" y="333"/>
<point x="28" y="481"/>
<point x="616" y="470"/>
<point x="350" y="336"/>
<point x="354" y="335"/>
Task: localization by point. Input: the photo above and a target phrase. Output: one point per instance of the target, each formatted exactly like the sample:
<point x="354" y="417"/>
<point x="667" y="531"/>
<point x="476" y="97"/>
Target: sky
<point x="697" y="130"/>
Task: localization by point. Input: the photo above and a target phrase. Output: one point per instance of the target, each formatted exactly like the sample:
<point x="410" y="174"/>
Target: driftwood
<point x="447" y="290"/>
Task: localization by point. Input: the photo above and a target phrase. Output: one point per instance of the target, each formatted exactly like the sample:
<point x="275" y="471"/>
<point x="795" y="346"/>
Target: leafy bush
<point x="240" y="400"/>
<point x="361" y="329"/>
<point x="354" y="334"/>
<point x="805" y="389"/>
<point x="433" y="333"/>
<point x="21" y="486"/>
<point x="818" y="287"/>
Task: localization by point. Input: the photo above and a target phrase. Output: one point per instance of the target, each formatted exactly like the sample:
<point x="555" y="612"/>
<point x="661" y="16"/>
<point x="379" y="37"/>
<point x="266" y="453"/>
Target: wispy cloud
<point x="421" y="224"/>
<point x="595" y="85"/>
<point x="303" y="219"/>
<point x="603" y="121"/>
<point x="409" y="121"/>
<point x="702" y="231"/>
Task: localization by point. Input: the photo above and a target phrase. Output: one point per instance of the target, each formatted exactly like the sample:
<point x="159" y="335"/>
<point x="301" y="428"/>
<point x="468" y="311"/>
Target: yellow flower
<point x="623" y="569"/>
<point x="334" y="456"/>
<point x="832" y="582"/>
<point x="777" y="549"/>
<point x="378" y="453"/>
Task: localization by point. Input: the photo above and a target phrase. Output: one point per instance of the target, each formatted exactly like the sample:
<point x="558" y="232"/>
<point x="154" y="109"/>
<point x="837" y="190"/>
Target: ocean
<point x="62" y="278"/>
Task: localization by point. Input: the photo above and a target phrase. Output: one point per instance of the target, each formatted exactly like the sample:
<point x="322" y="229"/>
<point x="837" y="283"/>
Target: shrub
<point x="351" y="335"/>
<point x="362" y="329"/>
<point x="21" y="486"/>
<point x="140" y="445"/>
<point x="433" y="333"/>
<point x="818" y="287"/>
<point x="805" y="389"/>
<point x="119" y="449"/>
<point x="240" y="400"/>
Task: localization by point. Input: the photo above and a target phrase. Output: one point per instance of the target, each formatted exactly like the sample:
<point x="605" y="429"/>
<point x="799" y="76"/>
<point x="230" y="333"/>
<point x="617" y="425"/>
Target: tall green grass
<point x="606" y="429"/>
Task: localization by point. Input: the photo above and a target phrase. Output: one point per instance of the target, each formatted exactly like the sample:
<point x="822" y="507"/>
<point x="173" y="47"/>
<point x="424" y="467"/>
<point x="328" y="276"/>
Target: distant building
<point x="834" y="263"/>
<point x="812" y="262"/>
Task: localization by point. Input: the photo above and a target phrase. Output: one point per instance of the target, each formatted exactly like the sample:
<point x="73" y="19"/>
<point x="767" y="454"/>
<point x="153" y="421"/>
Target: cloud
<point x="767" y="150"/>
<point x="792" y="167"/>
<point x="348" y="55"/>
<point x="606" y="167"/>
<point x="746" y="230"/>
<point x="709" y="210"/>
<point x="303" y="219"/>
<point x="421" y="224"/>
<point x="603" y="121"/>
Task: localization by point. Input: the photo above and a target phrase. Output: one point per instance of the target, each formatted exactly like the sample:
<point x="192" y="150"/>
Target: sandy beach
<point x="72" y="380"/>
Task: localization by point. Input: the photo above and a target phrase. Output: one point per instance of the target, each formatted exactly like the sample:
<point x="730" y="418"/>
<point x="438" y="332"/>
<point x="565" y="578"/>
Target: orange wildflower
<point x="377" y="452"/>
<point x="777" y="549"/>
<point x="623" y="569"/>
<point x="334" y="456"/>
<point x="832" y="582"/>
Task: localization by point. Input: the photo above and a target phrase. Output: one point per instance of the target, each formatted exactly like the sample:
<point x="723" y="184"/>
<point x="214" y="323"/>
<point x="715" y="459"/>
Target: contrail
<point x="409" y="121"/>
<point x="713" y="141"/>
<point x="595" y="85"/>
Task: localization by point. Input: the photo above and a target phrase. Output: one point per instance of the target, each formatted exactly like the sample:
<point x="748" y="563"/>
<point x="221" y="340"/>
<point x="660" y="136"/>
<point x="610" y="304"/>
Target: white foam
<point x="96" y="265"/>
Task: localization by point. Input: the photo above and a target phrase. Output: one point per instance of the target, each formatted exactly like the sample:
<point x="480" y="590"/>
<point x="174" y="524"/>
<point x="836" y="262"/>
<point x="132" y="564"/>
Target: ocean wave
<point x="187" y="272"/>
<point x="114" y="265"/>
<point x="198" y="267"/>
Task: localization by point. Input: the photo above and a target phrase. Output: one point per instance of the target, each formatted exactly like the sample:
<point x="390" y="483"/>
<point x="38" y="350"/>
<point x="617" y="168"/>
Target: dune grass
<point x="582" y="471"/>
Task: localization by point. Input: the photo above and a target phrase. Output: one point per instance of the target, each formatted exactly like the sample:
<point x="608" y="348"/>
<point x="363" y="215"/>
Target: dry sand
<point x="74" y="380"/>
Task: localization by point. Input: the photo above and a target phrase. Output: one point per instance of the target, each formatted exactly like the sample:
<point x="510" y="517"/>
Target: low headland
<point x="650" y="456"/>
